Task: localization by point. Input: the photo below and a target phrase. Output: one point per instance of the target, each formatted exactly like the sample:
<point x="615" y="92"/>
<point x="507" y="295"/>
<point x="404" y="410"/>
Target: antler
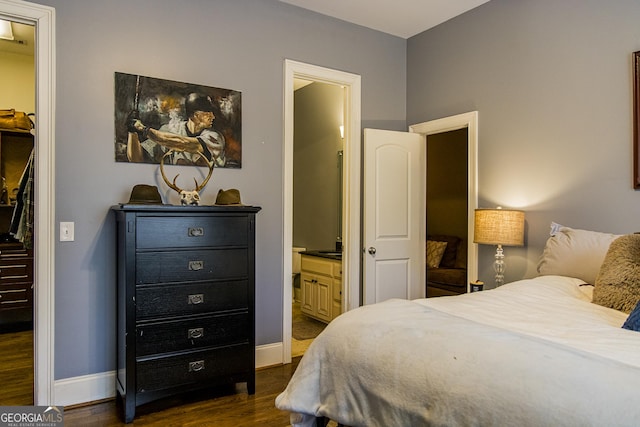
<point x="172" y="186"/>
<point x="210" y="166"/>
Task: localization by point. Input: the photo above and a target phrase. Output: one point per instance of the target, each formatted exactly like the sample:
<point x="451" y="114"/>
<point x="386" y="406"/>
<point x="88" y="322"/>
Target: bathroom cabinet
<point x="321" y="283"/>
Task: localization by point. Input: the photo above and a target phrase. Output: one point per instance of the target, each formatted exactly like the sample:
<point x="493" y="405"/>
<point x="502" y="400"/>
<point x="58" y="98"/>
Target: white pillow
<point x="574" y="253"/>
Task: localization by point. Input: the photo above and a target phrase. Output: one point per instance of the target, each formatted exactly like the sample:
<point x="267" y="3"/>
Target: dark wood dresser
<point x="16" y="286"/>
<point x="186" y="285"/>
<point x="16" y="262"/>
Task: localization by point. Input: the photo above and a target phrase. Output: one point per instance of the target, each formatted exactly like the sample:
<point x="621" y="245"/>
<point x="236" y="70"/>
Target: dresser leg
<point x="251" y="386"/>
<point x="127" y="408"/>
<point x="129" y="411"/>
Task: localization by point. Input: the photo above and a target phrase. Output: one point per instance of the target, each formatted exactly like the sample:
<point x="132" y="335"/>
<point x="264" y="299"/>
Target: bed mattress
<point x="531" y="353"/>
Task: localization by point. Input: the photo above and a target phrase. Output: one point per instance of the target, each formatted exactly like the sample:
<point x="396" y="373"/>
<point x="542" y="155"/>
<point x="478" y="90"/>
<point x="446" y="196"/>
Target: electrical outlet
<point x="67" y="232"/>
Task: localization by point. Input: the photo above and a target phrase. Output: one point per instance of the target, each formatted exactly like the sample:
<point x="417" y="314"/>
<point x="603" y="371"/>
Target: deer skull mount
<point x="187" y="197"/>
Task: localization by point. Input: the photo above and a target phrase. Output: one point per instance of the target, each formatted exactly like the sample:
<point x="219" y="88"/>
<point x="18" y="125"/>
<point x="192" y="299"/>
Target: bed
<point x="545" y="351"/>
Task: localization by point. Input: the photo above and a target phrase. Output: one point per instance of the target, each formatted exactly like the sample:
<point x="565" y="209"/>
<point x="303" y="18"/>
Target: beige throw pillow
<point x="435" y="251"/>
<point x="575" y="253"/>
<point x="618" y="282"/>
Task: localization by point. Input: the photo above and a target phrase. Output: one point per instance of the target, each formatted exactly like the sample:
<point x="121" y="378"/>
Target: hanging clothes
<point x="23" y="213"/>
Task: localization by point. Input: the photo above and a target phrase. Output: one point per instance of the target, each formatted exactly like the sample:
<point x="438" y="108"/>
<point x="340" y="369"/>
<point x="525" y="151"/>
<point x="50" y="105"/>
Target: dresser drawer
<point x="189" y="368"/>
<point x="191" y="265"/>
<point x="190" y="298"/>
<point x="16" y="296"/>
<point x="191" y="231"/>
<point x="179" y="335"/>
<point x="16" y="270"/>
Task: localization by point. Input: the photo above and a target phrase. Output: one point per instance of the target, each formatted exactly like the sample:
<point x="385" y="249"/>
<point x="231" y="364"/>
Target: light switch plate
<point x="67" y="232"/>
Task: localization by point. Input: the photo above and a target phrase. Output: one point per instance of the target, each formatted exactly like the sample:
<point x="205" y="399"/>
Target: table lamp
<point x="499" y="227"/>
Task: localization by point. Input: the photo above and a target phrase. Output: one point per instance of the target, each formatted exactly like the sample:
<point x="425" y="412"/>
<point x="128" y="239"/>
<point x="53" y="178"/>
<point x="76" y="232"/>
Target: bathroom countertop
<point x="324" y="254"/>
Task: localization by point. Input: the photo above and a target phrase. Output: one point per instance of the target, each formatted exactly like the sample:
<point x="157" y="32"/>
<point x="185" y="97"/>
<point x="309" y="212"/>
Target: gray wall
<point x="552" y="83"/>
<point x="235" y="44"/>
<point x="318" y="114"/>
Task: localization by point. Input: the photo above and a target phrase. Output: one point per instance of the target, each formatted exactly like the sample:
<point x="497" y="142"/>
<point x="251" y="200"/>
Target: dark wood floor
<point x="16" y="368"/>
<point x="220" y="408"/>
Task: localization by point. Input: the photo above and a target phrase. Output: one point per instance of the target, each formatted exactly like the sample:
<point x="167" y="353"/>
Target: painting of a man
<point x="199" y="125"/>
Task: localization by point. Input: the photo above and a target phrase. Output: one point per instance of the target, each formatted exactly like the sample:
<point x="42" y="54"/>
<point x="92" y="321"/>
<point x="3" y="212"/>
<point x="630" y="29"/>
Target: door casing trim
<point x="43" y="18"/>
<point x="351" y="259"/>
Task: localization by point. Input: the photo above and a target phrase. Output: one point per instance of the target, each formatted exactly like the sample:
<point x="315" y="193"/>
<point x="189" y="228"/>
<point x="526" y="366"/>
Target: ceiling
<point x="402" y="18"/>
<point x="24" y="39"/>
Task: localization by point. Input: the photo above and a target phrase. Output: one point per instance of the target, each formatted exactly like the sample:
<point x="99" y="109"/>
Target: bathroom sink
<point x="330" y="253"/>
<point x="325" y="254"/>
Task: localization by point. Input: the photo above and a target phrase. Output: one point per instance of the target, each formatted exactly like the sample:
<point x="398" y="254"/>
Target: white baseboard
<point x="269" y="355"/>
<point x="90" y="388"/>
<point x="87" y="388"/>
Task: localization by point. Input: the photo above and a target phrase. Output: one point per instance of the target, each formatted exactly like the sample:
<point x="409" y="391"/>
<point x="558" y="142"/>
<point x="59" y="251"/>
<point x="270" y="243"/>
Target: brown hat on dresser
<point x="143" y="194"/>
<point x="229" y="197"/>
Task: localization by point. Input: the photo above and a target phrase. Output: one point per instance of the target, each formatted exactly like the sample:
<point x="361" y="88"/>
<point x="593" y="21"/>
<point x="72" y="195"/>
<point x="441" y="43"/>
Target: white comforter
<point x="531" y="353"/>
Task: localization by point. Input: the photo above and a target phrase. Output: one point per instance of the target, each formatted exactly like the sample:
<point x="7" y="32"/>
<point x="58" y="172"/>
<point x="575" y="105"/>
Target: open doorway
<point x="447" y="213"/>
<point x="43" y="19"/>
<point x="400" y="201"/>
<point x="317" y="209"/>
<point x="17" y="84"/>
<point x="464" y="130"/>
<point x="350" y="274"/>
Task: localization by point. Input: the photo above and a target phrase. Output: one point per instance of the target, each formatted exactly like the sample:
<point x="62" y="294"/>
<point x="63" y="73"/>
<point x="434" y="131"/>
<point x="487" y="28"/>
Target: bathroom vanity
<point x="321" y="284"/>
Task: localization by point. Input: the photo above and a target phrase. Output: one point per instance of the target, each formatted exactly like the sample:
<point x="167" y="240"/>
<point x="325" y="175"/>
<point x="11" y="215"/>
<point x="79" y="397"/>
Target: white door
<point x="394" y="215"/>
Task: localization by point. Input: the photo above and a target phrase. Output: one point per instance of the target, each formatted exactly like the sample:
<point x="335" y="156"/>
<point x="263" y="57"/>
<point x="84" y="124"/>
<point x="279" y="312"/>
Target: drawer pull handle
<point x="195" y="333"/>
<point x="196" y="265"/>
<point x="196" y="366"/>
<point x="196" y="299"/>
<point x="196" y="231"/>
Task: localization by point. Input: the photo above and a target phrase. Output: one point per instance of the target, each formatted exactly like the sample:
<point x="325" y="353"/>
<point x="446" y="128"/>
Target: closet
<point x="16" y="229"/>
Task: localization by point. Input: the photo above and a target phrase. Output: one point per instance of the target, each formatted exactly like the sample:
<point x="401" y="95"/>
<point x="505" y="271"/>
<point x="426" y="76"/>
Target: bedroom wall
<point x="221" y="43"/>
<point x="552" y="83"/>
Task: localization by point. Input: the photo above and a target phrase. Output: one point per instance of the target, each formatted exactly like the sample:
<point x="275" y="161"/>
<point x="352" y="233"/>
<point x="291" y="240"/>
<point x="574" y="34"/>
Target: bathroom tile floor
<point x="299" y="346"/>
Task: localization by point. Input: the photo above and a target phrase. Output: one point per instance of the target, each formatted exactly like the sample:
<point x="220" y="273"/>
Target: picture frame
<point x="636" y="120"/>
<point x="151" y="113"/>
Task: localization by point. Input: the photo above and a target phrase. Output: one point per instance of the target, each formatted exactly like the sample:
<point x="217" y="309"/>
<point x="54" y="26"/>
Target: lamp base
<point x="498" y="266"/>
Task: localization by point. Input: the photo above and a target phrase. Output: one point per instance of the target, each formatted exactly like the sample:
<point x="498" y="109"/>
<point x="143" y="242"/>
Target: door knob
<point x="372" y="250"/>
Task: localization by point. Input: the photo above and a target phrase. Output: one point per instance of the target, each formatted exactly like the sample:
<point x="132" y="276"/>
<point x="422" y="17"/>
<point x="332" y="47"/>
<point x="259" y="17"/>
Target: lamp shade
<point x="499" y="227"/>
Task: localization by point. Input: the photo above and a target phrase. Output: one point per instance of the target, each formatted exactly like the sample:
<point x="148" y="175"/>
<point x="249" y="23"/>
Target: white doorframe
<point x="351" y="187"/>
<point x="446" y="124"/>
<point x="43" y="18"/>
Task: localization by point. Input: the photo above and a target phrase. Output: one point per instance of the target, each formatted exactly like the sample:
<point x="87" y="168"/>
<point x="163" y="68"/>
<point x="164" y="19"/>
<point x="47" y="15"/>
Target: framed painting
<point x="184" y="123"/>
<point x="636" y="120"/>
